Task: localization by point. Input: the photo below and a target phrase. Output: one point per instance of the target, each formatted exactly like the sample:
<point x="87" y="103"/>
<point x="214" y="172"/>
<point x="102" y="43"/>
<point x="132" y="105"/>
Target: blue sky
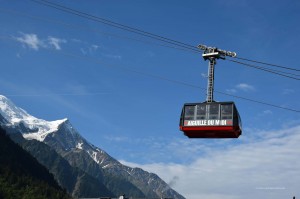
<point x="57" y="65"/>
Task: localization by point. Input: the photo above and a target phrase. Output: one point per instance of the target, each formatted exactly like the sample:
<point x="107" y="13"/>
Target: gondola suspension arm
<point x="211" y="54"/>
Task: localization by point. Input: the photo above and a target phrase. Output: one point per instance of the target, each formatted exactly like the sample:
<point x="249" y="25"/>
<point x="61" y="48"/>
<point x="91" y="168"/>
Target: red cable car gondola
<point x="211" y="119"/>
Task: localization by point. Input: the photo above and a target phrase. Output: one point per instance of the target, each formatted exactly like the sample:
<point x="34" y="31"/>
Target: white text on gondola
<point x="208" y="122"/>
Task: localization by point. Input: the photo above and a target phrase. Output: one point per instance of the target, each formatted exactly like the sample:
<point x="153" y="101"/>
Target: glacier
<point x="39" y="128"/>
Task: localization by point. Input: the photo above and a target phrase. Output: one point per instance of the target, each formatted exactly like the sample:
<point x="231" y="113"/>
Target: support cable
<point x="267" y="70"/>
<point x="114" y="24"/>
<point x="96" y="61"/>
<point x="275" y="65"/>
<point x="145" y="33"/>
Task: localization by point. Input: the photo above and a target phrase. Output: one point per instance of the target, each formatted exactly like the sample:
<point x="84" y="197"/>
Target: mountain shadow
<point x="22" y="176"/>
<point x="77" y="182"/>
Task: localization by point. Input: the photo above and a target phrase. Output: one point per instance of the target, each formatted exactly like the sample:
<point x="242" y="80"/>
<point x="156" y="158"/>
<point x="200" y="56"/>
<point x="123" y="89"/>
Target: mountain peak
<point x="11" y="112"/>
<point x="2" y="97"/>
<point x="32" y="127"/>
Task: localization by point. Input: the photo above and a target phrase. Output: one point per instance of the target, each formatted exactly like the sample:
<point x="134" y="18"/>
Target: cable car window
<point x="226" y="111"/>
<point x="213" y="111"/>
<point x="189" y="112"/>
<point x="201" y="111"/>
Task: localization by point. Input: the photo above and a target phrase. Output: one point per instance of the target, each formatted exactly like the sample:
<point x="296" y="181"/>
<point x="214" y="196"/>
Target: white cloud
<point x="86" y="47"/>
<point x="76" y="40"/>
<point x="116" y="138"/>
<point x="94" y="47"/>
<point x="111" y="56"/>
<point x="232" y="90"/>
<point x="83" y="51"/>
<point x="245" y="87"/>
<point x="204" y="75"/>
<point x="264" y="168"/>
<point x="242" y="86"/>
<point x="267" y="112"/>
<point x="31" y="40"/>
<point x="55" y="42"/>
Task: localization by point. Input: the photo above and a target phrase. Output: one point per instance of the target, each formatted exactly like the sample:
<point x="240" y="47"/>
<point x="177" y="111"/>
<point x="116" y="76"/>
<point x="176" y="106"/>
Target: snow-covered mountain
<point x="59" y="131"/>
<point x="66" y="140"/>
<point x="32" y="127"/>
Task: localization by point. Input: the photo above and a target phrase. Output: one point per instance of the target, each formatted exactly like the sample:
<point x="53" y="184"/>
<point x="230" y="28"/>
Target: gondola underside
<point x="211" y="131"/>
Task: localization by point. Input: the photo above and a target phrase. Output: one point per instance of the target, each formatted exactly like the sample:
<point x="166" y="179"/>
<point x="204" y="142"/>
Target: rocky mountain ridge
<point x="62" y="137"/>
